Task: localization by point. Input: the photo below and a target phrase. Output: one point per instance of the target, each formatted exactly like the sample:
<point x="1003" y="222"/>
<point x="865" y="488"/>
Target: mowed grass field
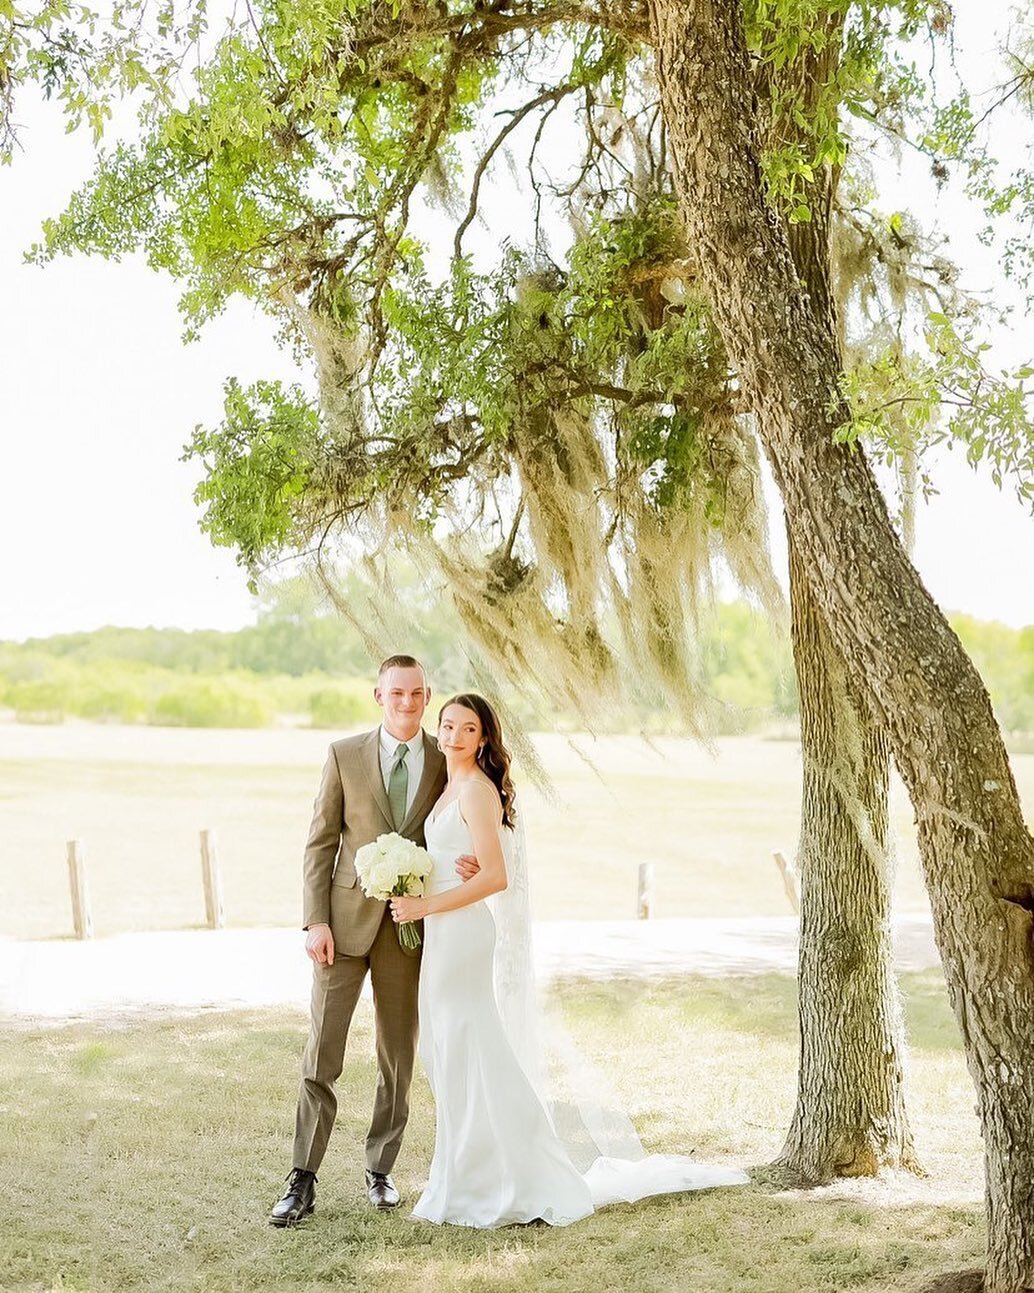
<point x="139" y="796"/>
<point x="145" y="1156"/>
<point x="143" y="1153"/>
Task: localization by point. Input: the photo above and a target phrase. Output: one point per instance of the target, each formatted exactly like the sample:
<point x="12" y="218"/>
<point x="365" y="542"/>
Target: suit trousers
<point x="394" y="976"/>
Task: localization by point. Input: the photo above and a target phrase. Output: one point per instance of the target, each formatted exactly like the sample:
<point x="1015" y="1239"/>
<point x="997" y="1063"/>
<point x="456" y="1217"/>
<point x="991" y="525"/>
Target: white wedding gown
<point x="497" y="1158"/>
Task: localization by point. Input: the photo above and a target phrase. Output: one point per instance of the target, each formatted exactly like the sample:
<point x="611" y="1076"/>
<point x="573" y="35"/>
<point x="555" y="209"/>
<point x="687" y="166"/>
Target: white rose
<point x="384" y="875"/>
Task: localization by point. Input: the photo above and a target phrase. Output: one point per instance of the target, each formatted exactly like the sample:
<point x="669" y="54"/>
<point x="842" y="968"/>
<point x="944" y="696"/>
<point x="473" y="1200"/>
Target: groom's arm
<point x="321" y="848"/>
<point x="467" y="866"/>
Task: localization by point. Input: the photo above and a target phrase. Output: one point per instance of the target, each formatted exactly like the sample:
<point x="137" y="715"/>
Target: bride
<point x="498" y="1157"/>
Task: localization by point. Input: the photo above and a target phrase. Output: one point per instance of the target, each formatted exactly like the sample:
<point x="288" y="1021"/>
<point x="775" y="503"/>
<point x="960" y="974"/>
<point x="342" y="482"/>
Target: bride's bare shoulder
<point x="480" y="793"/>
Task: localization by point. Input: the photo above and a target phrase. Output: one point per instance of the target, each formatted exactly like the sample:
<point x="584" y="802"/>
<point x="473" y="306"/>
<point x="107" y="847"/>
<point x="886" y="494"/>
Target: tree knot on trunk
<point x="1019" y="922"/>
<point x="1023" y="899"/>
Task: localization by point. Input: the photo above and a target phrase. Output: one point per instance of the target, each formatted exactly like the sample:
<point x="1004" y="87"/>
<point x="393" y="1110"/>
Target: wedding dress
<point x="506" y="1152"/>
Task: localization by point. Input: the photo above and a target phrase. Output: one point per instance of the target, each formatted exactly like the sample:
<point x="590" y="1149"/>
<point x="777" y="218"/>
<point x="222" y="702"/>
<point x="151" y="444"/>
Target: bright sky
<point x="97" y="524"/>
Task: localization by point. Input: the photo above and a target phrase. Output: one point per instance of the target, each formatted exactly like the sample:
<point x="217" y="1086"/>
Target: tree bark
<point x="850" y="1117"/>
<point x="978" y="856"/>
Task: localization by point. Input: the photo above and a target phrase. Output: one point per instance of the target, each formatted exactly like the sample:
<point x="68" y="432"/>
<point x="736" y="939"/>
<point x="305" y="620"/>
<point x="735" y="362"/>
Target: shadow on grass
<point x="929" y="1019"/>
<point x="765" y="1005"/>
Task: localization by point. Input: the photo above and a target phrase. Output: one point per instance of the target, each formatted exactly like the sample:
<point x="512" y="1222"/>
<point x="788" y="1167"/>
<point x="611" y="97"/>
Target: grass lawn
<point x="138" y="797"/>
<point x="145" y="1155"/>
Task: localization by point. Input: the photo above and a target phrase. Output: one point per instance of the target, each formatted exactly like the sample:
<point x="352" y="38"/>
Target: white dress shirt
<point x="414" y="761"/>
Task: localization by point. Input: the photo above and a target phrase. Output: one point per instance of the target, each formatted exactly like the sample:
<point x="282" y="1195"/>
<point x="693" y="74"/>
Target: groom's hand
<point x="467" y="866"/>
<point x="320" y="944"/>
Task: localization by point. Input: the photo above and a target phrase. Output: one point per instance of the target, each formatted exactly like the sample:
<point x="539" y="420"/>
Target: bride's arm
<point x="479" y="806"/>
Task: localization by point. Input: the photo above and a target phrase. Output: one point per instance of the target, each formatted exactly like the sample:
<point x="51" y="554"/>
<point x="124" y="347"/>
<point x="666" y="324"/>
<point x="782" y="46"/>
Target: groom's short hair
<point x="400" y="662"/>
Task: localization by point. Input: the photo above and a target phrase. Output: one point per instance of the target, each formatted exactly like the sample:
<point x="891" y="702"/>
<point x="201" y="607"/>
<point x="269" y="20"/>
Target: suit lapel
<point x="371" y="761"/>
<point x="427" y="792"/>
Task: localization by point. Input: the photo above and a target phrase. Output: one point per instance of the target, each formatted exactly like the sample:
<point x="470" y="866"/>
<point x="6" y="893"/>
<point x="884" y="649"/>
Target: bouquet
<point x="394" y="867"/>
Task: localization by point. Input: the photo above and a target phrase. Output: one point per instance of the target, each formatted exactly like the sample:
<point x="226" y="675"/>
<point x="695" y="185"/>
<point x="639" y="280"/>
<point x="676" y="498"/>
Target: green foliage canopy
<point x="549" y="412"/>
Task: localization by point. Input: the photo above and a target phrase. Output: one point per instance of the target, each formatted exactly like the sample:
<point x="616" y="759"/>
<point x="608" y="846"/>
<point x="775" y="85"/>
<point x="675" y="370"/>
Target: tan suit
<point x="351" y="809"/>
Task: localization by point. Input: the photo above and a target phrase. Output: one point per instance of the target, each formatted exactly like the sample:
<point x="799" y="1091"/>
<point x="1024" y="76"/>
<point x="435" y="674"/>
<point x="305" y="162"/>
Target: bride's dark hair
<point x="493" y="758"/>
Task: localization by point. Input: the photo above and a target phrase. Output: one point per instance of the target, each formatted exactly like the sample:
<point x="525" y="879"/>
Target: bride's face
<point x="459" y="733"/>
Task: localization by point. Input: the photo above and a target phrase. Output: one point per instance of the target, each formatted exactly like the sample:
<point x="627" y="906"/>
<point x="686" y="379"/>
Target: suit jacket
<point x="351" y="809"/>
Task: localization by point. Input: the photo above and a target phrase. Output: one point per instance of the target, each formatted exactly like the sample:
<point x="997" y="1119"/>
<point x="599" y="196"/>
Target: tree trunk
<point x="850" y="1116"/>
<point x="977" y="854"/>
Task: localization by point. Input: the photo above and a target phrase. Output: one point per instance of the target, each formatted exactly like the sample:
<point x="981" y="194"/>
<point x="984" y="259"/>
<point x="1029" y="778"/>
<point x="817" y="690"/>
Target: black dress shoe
<point x="380" y="1190"/>
<point x="297" y="1201"/>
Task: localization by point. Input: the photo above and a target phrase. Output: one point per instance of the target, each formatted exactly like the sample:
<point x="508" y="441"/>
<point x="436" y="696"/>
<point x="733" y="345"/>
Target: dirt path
<point x="197" y="969"/>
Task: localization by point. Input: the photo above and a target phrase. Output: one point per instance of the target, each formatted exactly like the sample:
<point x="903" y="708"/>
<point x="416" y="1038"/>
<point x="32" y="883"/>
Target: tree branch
<point x="518" y="115"/>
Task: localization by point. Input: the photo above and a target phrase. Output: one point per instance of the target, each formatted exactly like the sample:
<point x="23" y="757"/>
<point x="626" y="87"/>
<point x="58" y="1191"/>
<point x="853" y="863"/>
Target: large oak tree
<point x="978" y="855"/>
<point x="292" y="176"/>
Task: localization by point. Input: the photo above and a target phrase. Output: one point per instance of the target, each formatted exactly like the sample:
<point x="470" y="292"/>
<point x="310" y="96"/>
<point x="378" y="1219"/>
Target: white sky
<point x="97" y="523"/>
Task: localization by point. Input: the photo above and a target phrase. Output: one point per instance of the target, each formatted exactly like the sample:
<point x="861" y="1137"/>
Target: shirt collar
<point x="389" y="743"/>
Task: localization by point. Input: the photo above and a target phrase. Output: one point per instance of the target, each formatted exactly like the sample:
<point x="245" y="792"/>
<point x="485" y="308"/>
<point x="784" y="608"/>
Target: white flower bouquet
<point x="394" y="867"/>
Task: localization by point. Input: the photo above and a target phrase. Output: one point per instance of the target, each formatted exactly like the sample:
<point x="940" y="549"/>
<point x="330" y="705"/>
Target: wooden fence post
<point x="214" y="916"/>
<point x="645" y="890"/>
<point x="786" y="870"/>
<point x="82" y="916"/>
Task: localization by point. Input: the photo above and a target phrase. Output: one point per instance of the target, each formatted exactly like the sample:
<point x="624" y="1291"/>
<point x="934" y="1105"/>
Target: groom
<point x="384" y="780"/>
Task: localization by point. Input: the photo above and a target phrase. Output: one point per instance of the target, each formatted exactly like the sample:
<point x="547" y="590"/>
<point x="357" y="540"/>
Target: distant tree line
<point x="301" y="663"/>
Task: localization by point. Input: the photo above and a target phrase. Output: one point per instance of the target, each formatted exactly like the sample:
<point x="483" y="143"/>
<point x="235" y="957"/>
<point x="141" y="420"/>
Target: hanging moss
<point x="559" y="451"/>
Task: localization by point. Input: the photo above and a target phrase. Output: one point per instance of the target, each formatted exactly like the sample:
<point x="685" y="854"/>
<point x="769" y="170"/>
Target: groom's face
<point x="403" y="695"/>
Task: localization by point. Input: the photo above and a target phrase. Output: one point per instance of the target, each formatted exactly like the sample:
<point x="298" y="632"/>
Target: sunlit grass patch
<point x="145" y="1155"/>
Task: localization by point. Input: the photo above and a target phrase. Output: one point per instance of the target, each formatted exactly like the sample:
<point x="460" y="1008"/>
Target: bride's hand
<point x="404" y="910"/>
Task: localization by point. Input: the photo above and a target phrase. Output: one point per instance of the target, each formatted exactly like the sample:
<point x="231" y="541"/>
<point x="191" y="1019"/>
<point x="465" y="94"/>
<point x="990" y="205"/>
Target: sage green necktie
<point x="398" y="786"/>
